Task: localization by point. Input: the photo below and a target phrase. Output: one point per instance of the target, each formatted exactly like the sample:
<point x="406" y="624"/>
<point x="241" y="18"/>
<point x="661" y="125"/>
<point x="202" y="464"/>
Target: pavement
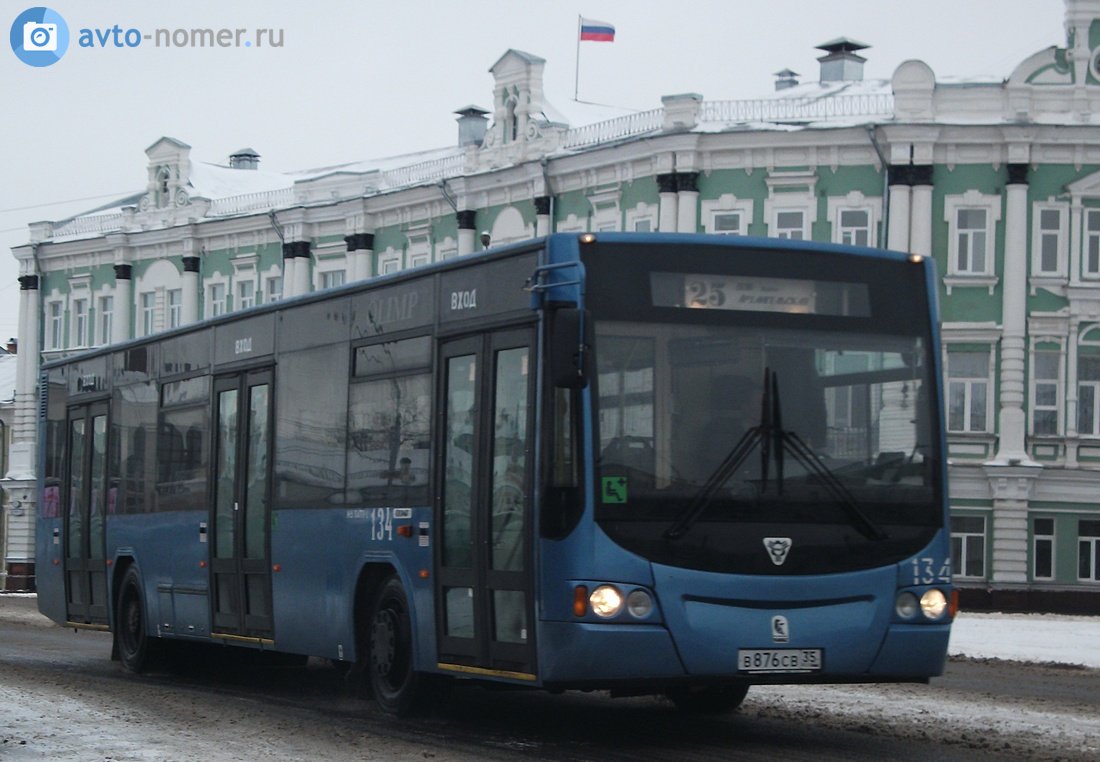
<point x="22" y="608"/>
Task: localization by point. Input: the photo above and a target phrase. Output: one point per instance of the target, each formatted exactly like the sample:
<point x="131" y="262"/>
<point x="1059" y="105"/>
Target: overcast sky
<point x="364" y="79"/>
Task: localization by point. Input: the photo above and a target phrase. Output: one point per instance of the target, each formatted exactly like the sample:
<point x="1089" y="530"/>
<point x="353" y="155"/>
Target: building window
<point x="1042" y="549"/>
<point x="642" y="218"/>
<point x="1088" y="550"/>
<point x="967" y="391"/>
<point x="972" y="239"/>
<point x="971" y="219"/>
<point x="175" y="307"/>
<point x="727" y="215"/>
<point x="968" y="546"/>
<point x="389" y="265"/>
<point x="855" y="227"/>
<point x="1049" y="242"/>
<point x="148" y="308"/>
<point x="727" y="223"/>
<point x="246" y="294"/>
<point x="1044" y="409"/>
<point x="1092" y="243"/>
<point x="80" y="322"/>
<point x="216" y="299"/>
<point x="105" y="319"/>
<point x="56" y="327"/>
<point x="790" y="225"/>
<point x="273" y="289"/>
<point x="1088" y="395"/>
<point x="332" y="279"/>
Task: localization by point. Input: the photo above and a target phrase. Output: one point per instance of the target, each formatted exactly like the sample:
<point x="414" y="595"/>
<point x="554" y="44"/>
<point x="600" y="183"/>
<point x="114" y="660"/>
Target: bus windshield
<point x="713" y="428"/>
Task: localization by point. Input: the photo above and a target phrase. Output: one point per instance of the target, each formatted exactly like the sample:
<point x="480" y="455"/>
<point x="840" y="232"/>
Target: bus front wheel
<point x="130" y="635"/>
<point x="397" y="688"/>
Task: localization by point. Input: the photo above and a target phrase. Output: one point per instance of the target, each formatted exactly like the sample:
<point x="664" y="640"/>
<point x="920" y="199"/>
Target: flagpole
<point x="577" y="65"/>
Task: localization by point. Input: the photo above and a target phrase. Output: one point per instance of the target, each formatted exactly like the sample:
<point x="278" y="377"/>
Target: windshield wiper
<point x="770" y="435"/>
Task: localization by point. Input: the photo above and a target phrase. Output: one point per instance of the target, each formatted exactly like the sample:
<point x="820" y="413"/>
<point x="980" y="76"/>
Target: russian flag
<point x="597" y="31"/>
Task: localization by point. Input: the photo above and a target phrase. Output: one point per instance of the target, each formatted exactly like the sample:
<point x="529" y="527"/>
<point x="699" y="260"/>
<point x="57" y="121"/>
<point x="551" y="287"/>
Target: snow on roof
<point x="217" y="181"/>
<point x="382" y="164"/>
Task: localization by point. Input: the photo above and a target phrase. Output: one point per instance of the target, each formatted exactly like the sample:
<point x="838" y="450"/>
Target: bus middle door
<point x="239" y="563"/>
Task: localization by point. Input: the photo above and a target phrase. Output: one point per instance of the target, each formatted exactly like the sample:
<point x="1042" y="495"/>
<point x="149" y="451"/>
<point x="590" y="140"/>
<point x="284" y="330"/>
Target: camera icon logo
<point x="38" y="36"/>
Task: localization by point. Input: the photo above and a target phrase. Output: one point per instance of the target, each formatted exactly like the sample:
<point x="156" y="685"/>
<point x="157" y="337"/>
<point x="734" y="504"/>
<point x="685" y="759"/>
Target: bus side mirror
<point x="570" y="356"/>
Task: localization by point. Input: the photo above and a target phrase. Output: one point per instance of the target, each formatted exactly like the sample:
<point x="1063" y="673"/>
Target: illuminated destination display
<point x="750" y="293"/>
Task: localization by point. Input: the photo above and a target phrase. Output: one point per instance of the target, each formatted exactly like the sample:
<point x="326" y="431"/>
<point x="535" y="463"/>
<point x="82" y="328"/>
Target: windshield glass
<point x="690" y="447"/>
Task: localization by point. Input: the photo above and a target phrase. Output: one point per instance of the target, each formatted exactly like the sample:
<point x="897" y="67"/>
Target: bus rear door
<point x="484" y="582"/>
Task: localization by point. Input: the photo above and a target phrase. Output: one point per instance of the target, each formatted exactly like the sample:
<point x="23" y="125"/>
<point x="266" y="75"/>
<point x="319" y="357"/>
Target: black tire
<point x="398" y="689"/>
<point x="131" y="639"/>
<point x="711" y="699"/>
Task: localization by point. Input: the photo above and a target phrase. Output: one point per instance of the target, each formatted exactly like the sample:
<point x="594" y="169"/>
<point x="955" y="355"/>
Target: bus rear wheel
<point x="130" y="635"/>
<point x="397" y="687"/>
<point x="711" y="699"/>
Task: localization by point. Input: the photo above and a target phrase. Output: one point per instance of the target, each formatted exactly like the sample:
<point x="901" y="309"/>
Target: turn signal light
<point x="580" y="600"/>
<point x="953" y="606"/>
<point x="405" y="530"/>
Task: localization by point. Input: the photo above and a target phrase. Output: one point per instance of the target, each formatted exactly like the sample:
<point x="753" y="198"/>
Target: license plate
<point x="778" y="660"/>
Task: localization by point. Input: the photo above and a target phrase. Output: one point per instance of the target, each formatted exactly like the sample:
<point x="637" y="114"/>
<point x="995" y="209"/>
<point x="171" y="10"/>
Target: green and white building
<point x="999" y="181"/>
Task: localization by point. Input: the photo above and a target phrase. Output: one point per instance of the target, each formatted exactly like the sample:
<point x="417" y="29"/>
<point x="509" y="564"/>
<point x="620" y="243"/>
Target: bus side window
<point x="562" y="506"/>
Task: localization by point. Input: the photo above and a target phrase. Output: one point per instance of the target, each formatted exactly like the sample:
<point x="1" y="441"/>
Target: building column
<point x="467" y="231"/>
<point x="920" y="211"/>
<point x="289" y="253"/>
<point x="1011" y="422"/>
<point x="897" y="237"/>
<point x="1076" y="217"/>
<point x="189" y="309"/>
<point x="360" y="250"/>
<point x="1071" y="393"/>
<point x="687" y="202"/>
<point x="20" y="483"/>
<point x="1011" y="487"/>
<point x="668" y="213"/>
<point x="124" y="304"/>
<point x="302" y="284"/>
<point x="542" y="216"/>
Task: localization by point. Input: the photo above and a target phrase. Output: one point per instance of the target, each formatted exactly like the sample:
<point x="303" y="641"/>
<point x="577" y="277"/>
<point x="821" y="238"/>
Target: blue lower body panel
<point x="579" y="653"/>
<point x="913" y="651"/>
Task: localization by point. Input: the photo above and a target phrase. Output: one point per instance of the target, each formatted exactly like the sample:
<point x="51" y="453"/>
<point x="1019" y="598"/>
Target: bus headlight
<point x="606" y="601"/>
<point x="639" y="604"/>
<point x="906" y="605"/>
<point x="933" y="603"/>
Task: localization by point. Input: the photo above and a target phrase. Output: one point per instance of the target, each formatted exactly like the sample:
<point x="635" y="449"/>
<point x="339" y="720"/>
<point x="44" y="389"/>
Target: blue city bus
<point x="639" y="463"/>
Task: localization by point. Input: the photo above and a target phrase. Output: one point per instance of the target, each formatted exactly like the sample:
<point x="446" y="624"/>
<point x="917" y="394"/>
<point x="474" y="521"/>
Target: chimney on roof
<point x="786" y="79"/>
<point x="840" y="62"/>
<point x="472" y="124"/>
<point x="245" y="158"/>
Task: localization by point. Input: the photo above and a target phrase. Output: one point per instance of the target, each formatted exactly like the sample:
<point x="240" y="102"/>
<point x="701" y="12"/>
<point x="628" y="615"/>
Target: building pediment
<point x="1089" y="185"/>
<point x="515" y="61"/>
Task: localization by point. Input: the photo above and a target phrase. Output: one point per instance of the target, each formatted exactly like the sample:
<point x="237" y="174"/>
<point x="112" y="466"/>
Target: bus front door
<point x="88" y="501"/>
<point x="240" y="511"/>
<point x="484" y="586"/>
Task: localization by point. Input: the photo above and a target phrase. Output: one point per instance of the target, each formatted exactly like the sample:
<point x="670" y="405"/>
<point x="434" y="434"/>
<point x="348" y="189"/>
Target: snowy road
<point x="62" y="699"/>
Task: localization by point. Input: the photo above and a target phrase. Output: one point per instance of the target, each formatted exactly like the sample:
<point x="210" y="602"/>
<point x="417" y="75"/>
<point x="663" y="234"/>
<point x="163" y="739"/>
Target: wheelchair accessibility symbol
<point x="613" y="489"/>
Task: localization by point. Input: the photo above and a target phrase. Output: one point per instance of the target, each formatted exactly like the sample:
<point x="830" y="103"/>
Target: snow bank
<point x="1027" y="637"/>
